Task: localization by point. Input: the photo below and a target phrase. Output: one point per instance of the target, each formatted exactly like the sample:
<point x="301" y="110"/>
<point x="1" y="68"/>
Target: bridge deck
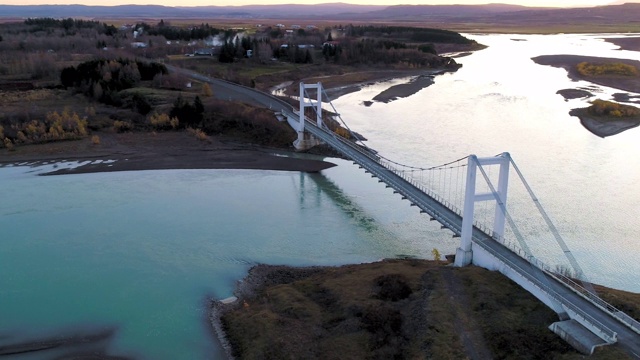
<point x="627" y="338"/>
<point x="603" y="320"/>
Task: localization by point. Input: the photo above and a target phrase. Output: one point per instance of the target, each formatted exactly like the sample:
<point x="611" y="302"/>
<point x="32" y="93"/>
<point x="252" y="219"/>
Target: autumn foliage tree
<point x="609" y="108"/>
<point x="591" y="69"/>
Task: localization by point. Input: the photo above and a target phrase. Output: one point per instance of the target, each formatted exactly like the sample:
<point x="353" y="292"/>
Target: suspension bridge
<point x="585" y="320"/>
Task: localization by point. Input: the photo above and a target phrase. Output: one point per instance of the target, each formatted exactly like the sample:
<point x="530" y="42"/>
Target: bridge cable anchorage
<point x="556" y="234"/>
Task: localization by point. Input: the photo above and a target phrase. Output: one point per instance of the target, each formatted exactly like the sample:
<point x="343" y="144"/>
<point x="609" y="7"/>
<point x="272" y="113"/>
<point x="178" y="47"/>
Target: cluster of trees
<point x="69" y="25"/>
<point x="103" y="79"/>
<point x="237" y="48"/>
<point x="371" y="51"/>
<point x="172" y="33"/>
<point x="66" y="125"/>
<point x="409" y="33"/>
<point x="188" y="114"/>
<point x="294" y="54"/>
<point x="255" y="124"/>
<point x="608" y="108"/>
<point x="590" y="69"/>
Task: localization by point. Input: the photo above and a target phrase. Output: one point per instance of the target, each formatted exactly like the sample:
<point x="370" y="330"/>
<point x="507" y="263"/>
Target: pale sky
<point x="544" y="3"/>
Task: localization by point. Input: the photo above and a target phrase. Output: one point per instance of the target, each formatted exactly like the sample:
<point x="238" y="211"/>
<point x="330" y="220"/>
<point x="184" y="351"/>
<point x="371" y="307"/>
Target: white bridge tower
<point x="306" y="141"/>
<point x="464" y="254"/>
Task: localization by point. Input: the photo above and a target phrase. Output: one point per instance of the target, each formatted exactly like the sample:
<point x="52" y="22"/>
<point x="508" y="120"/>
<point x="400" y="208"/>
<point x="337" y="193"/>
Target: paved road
<point x="628" y="339"/>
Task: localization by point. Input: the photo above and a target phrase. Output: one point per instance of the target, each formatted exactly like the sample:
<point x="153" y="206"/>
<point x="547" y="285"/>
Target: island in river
<point x="600" y="126"/>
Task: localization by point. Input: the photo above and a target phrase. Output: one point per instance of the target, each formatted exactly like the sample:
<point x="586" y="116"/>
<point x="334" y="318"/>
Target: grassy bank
<point x="395" y="309"/>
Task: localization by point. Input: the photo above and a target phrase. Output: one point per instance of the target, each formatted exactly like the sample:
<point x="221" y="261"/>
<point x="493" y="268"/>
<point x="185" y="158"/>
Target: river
<point x="142" y="251"/>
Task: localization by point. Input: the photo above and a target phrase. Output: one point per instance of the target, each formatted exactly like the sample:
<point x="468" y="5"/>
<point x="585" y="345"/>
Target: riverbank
<point x="160" y="151"/>
<point x="393" y="308"/>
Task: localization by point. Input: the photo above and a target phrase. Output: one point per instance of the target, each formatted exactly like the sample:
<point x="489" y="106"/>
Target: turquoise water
<point x="142" y="251"/>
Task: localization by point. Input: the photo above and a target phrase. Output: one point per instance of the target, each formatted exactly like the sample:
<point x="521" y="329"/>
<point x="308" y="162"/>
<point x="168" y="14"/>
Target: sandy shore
<point x="167" y="150"/>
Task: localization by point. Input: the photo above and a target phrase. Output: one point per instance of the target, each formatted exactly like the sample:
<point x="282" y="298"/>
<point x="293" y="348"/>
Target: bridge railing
<point x="509" y="244"/>
<point x="606" y="332"/>
<point x="570" y="283"/>
<point x="632" y="323"/>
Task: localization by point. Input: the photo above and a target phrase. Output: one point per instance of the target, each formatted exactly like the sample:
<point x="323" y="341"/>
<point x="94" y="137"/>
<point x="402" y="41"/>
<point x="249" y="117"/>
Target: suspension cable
<point x="538" y="274"/>
<point x="358" y="140"/>
<point x="572" y="260"/>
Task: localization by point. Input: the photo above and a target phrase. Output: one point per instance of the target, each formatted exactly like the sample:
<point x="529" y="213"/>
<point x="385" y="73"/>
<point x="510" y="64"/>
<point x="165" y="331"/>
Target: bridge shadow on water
<point x="357" y="215"/>
<point x="348" y="206"/>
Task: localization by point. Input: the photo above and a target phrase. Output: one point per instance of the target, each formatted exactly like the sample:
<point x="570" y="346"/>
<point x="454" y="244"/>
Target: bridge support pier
<point x="464" y="253"/>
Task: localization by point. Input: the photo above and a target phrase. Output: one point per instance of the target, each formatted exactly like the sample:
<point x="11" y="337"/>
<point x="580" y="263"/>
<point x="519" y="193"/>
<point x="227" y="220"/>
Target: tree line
<point x="174" y="33"/>
<point x="70" y="25"/>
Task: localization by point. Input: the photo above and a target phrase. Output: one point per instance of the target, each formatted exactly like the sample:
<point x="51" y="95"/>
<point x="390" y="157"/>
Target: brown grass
<point x="396" y="309"/>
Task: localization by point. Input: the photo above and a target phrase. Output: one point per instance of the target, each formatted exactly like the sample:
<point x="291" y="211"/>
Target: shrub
<point x="436" y="254"/>
<point x="163" y="121"/>
<point x="66" y="125"/>
<point x="340" y="131"/>
<point x="122" y="126"/>
<point x="200" y="135"/>
<point x="8" y="144"/>
<point x="392" y="287"/>
<point x="206" y="90"/>
<point x="608" y="108"/>
<point x="590" y="69"/>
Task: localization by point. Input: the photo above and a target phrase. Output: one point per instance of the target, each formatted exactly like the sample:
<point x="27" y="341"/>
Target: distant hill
<point x="490" y="14"/>
<point x="158" y="11"/>
<point x="436" y="11"/>
<point x="620" y="2"/>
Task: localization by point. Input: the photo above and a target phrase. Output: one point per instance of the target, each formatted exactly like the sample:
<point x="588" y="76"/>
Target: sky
<point x="549" y="3"/>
